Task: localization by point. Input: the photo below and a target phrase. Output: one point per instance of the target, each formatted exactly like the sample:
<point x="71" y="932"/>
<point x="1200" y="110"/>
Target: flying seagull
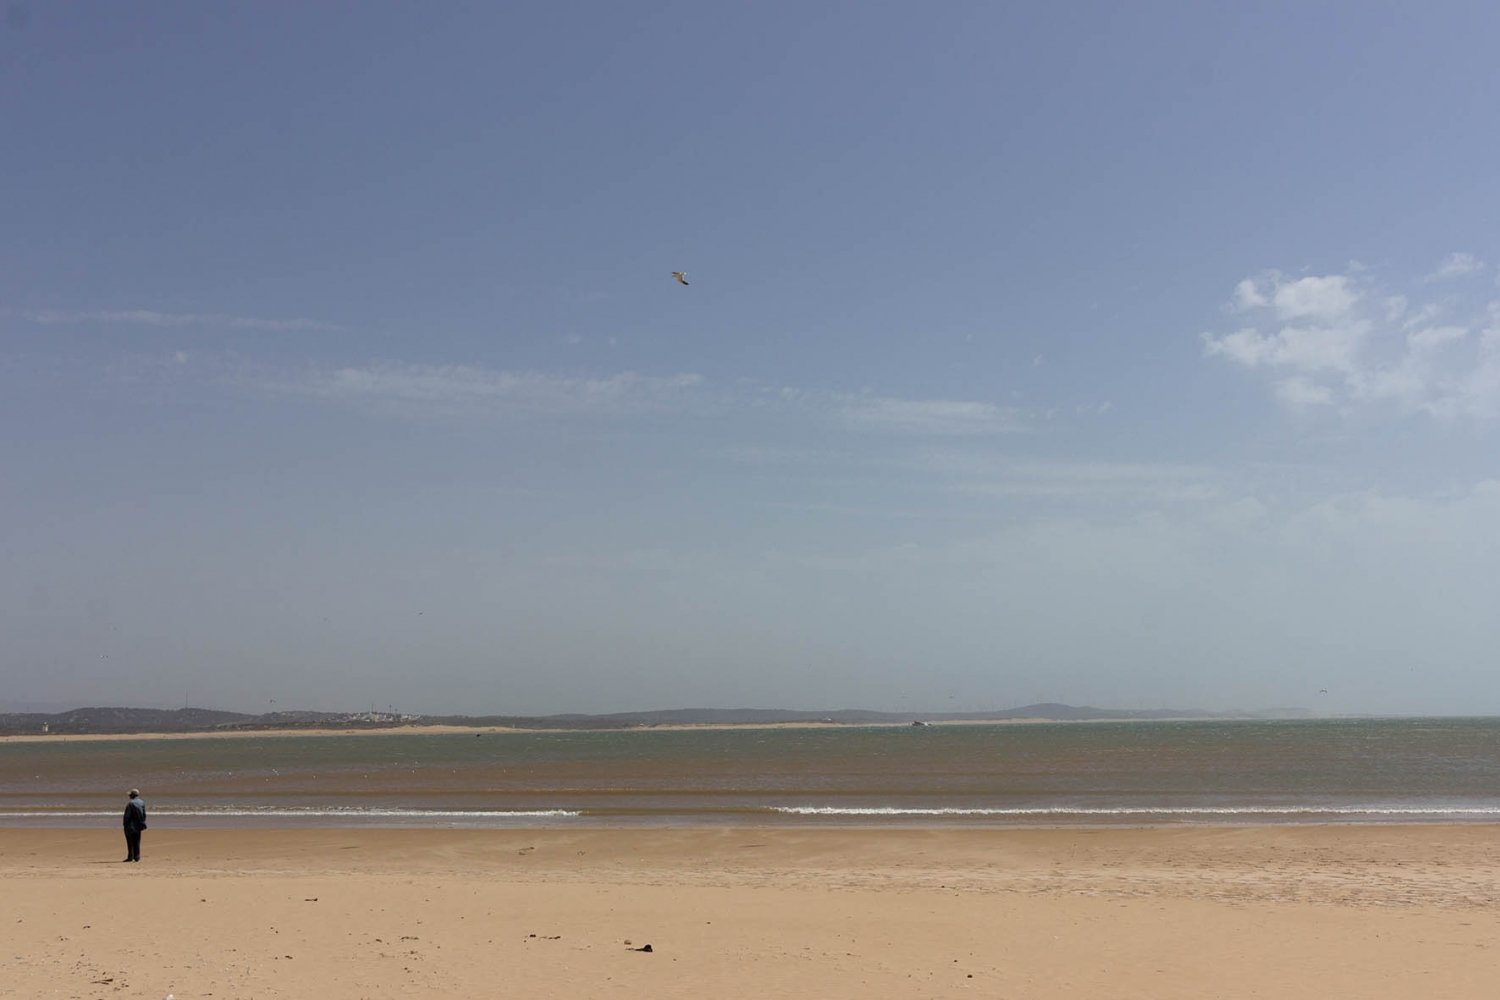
<point x="680" y="276"/>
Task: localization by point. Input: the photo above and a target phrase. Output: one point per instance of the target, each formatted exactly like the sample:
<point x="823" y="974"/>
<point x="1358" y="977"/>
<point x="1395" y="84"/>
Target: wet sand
<point x="232" y="734"/>
<point x="1286" y="912"/>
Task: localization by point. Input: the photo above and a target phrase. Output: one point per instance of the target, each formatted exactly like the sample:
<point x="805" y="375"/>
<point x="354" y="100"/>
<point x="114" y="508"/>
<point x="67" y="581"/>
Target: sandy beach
<point x="1312" y="911"/>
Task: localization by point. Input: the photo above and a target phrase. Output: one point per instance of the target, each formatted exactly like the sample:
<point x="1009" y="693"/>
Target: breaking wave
<point x="1140" y="811"/>
<point x="314" y="812"/>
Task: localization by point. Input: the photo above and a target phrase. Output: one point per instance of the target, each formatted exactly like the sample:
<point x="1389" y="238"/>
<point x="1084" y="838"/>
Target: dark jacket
<point x="135" y="814"/>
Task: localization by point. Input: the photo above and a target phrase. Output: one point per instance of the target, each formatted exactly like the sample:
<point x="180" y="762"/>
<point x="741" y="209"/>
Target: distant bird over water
<point x="681" y="277"/>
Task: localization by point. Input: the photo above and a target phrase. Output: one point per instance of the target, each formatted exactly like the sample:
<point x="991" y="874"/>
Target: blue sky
<point x="1122" y="354"/>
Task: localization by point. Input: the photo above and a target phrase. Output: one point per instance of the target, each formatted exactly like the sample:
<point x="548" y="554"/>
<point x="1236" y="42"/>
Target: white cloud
<point x="451" y="390"/>
<point x="152" y="317"/>
<point x="1298" y="391"/>
<point x="1366" y="345"/>
<point x="1404" y="383"/>
<point x="1457" y="265"/>
<point x="927" y="416"/>
<point x="1308" y="348"/>
<point x="1314" y="348"/>
<point x="1247" y="347"/>
<point x="1474" y="390"/>
<point x="459" y="388"/>
<point x="1247" y="295"/>
<point x="1318" y="297"/>
<point x="1435" y="337"/>
<point x="1327" y="297"/>
<point x="1421" y="317"/>
<point x="1131" y="483"/>
<point x="1142" y="481"/>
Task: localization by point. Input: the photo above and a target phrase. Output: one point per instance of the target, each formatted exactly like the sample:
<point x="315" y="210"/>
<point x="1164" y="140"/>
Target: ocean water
<point x="1135" y="773"/>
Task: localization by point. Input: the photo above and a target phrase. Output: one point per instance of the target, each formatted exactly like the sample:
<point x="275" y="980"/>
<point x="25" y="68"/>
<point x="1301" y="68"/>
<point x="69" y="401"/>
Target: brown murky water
<point x="1138" y="772"/>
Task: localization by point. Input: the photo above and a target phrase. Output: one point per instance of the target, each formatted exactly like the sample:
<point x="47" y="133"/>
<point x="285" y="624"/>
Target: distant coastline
<point x="423" y="729"/>
<point x="116" y="723"/>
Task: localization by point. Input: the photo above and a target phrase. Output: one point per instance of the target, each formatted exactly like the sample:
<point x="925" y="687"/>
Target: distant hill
<point x="82" y="721"/>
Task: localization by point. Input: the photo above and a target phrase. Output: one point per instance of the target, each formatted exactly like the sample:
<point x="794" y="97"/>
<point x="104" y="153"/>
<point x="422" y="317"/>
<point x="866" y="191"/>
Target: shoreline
<point x="1447" y="865"/>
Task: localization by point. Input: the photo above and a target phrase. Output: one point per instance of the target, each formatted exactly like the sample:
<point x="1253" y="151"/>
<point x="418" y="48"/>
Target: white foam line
<point x="382" y="813"/>
<point x="1141" y="811"/>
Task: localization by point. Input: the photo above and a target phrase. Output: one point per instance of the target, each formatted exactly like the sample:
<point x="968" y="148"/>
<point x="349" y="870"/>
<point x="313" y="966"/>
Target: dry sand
<point x="1346" y="911"/>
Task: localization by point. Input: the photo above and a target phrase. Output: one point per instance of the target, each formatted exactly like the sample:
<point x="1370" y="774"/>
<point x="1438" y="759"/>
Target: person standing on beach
<point x="135" y="822"/>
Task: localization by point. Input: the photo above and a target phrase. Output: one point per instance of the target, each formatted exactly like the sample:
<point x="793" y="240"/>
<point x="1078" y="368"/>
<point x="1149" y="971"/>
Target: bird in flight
<point x="680" y="276"/>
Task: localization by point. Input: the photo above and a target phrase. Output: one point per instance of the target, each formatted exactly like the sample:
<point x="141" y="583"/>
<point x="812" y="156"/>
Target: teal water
<point x="1397" y="770"/>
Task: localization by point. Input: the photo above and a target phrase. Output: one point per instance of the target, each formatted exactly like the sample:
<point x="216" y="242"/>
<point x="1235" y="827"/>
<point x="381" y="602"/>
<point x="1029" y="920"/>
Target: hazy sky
<point x="1131" y="355"/>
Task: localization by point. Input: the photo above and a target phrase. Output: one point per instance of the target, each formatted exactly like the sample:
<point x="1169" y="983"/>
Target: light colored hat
<point x="134" y="792"/>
